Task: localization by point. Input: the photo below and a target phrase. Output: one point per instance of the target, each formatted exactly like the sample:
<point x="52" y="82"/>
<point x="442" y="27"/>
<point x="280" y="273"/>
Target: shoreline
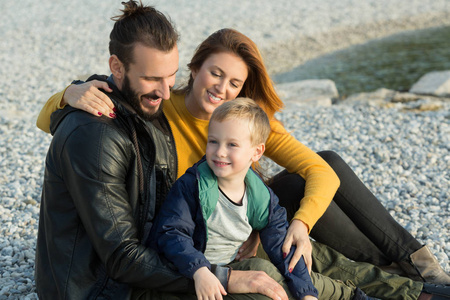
<point x="286" y="55"/>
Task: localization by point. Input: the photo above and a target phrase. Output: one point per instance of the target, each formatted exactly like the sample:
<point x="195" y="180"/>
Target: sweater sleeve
<point x="321" y="181"/>
<point x="272" y="238"/>
<point x="52" y="104"/>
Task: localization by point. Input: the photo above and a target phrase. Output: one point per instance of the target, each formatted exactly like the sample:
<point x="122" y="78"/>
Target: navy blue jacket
<point x="180" y="230"/>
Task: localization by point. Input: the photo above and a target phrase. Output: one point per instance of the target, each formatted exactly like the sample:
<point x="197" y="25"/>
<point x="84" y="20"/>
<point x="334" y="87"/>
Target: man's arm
<point x="255" y="282"/>
<point x="95" y="161"/>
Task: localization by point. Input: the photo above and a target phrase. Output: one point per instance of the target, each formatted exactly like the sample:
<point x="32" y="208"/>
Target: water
<point x="395" y="62"/>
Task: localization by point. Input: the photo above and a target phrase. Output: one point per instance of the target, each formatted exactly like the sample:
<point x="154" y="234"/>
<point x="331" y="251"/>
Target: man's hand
<point x="252" y="282"/>
<point x="207" y="286"/>
<point x="89" y="98"/>
<point x="249" y="247"/>
<point x="298" y="235"/>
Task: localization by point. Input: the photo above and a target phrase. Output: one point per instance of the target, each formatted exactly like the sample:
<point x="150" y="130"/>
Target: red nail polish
<point x="114" y="109"/>
<point x="112" y="116"/>
<point x="290" y="270"/>
<point x="99" y="113"/>
<point x="284" y="255"/>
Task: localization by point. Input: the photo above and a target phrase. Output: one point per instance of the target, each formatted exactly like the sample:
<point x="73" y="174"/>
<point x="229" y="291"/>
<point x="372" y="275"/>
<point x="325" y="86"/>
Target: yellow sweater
<point x="190" y="136"/>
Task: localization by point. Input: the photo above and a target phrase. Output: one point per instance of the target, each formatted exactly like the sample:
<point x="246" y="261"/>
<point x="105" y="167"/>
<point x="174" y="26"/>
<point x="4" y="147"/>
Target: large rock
<point x="434" y="83"/>
<point x="404" y="101"/>
<point x="318" y="92"/>
<point x="379" y="96"/>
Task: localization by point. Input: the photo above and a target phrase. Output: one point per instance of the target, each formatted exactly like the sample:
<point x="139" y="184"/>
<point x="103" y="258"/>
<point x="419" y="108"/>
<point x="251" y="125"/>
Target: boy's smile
<point x="229" y="151"/>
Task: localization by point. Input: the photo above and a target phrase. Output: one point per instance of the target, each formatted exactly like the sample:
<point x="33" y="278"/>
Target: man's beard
<point x="135" y="101"/>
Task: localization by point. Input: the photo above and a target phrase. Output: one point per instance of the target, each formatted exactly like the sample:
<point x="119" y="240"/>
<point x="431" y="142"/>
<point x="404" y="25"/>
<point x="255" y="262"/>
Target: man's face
<point x="149" y="79"/>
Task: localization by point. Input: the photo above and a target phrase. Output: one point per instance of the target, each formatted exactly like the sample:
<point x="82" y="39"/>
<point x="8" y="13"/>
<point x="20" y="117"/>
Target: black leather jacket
<point x="98" y="203"/>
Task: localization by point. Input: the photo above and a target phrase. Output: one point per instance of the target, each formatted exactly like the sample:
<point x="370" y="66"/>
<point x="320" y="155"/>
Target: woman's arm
<point x="320" y="187"/>
<point x="85" y="96"/>
<point x="52" y="104"/>
<point x="321" y="181"/>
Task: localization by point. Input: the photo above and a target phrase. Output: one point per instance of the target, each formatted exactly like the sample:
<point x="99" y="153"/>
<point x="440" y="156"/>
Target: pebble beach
<point x="402" y="155"/>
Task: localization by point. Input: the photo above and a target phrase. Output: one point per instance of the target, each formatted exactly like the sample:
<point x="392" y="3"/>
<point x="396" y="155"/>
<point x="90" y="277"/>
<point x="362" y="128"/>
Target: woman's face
<point x="219" y="79"/>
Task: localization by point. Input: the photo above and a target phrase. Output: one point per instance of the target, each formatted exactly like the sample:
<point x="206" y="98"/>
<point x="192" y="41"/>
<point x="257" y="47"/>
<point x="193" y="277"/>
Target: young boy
<point x="212" y="209"/>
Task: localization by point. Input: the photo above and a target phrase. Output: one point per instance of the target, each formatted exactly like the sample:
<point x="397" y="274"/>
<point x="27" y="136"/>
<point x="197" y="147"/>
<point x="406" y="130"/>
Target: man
<point x="104" y="179"/>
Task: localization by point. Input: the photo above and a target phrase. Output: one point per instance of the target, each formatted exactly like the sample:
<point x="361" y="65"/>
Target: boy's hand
<point x="207" y="286"/>
<point x="249" y="247"/>
<point x="298" y="235"/>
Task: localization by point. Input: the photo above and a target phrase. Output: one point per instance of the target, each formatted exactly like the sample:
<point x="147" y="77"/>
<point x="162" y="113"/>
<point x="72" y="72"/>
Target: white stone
<point x="316" y="92"/>
<point x="434" y="83"/>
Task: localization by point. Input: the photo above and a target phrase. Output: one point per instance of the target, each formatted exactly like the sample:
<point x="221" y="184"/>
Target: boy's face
<point x="229" y="151"/>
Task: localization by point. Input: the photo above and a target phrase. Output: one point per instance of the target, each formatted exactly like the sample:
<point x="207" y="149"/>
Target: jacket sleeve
<point x="178" y="221"/>
<point x="94" y="162"/>
<point x="272" y="238"/>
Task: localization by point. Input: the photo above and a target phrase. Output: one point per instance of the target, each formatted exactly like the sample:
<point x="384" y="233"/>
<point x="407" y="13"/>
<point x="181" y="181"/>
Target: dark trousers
<point x="355" y="224"/>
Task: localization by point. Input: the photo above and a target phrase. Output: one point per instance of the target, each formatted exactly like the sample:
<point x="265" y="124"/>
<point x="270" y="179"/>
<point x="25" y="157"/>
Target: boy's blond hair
<point x="245" y="109"/>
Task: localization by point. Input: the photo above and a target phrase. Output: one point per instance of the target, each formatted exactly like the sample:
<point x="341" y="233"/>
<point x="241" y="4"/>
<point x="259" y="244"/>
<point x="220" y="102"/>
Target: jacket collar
<point x="257" y="192"/>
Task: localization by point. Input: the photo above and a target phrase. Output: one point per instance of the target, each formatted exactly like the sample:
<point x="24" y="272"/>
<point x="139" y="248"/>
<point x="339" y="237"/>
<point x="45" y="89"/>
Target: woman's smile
<point x="219" y="79"/>
<point x="214" y="99"/>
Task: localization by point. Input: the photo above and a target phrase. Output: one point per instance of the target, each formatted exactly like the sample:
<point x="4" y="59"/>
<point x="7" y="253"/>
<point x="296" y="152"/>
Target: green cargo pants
<point x="334" y="276"/>
<point x="372" y="280"/>
<point x="254" y="264"/>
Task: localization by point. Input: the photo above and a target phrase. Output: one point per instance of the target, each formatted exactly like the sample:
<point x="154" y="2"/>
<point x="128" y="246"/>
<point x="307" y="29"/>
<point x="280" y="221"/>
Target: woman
<point x="227" y="65"/>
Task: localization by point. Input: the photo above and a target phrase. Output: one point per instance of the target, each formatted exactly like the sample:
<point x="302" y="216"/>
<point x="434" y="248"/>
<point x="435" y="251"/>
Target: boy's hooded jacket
<point x="180" y="231"/>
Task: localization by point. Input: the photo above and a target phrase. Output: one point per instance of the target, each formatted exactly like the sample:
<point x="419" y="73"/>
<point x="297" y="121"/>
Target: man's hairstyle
<point x="140" y="24"/>
<point x="245" y="109"/>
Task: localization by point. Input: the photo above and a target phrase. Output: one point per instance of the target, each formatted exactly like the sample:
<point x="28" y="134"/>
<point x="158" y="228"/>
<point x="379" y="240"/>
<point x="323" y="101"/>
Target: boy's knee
<point x="332" y="289"/>
<point x="258" y="264"/>
<point x="265" y="265"/>
<point x="254" y="264"/>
